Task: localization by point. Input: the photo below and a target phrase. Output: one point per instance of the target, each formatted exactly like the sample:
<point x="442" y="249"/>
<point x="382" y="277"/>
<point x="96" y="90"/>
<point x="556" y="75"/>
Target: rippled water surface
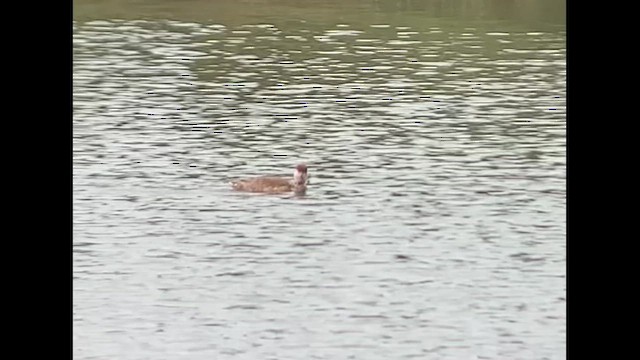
<point x="434" y="225"/>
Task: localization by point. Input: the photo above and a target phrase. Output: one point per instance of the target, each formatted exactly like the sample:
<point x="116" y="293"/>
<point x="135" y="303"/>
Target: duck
<point x="274" y="185"/>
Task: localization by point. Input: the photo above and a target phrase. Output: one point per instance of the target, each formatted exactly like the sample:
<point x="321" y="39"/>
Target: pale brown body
<point x="274" y="185"/>
<point x="265" y="184"/>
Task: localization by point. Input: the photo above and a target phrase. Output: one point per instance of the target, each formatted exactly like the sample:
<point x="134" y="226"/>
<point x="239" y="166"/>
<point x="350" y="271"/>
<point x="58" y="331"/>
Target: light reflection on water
<point x="433" y="228"/>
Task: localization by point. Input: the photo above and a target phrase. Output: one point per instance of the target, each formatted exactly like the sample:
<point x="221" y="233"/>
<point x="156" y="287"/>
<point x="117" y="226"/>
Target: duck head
<point x="300" y="177"/>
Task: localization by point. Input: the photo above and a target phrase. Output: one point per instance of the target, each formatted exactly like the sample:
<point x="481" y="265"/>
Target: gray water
<point x="434" y="225"/>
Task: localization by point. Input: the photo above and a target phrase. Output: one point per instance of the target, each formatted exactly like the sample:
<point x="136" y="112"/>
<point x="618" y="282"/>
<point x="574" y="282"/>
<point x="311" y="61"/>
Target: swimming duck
<point x="269" y="184"/>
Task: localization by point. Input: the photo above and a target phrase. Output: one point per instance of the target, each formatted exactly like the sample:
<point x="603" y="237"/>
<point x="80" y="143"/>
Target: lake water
<point x="434" y="225"/>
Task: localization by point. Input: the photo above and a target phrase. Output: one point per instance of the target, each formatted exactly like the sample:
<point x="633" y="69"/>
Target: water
<point x="434" y="226"/>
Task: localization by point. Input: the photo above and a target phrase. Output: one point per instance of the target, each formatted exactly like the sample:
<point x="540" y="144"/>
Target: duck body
<point x="275" y="185"/>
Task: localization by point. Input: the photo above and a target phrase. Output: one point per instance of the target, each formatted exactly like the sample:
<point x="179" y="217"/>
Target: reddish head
<point x="300" y="175"/>
<point x="301" y="168"/>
